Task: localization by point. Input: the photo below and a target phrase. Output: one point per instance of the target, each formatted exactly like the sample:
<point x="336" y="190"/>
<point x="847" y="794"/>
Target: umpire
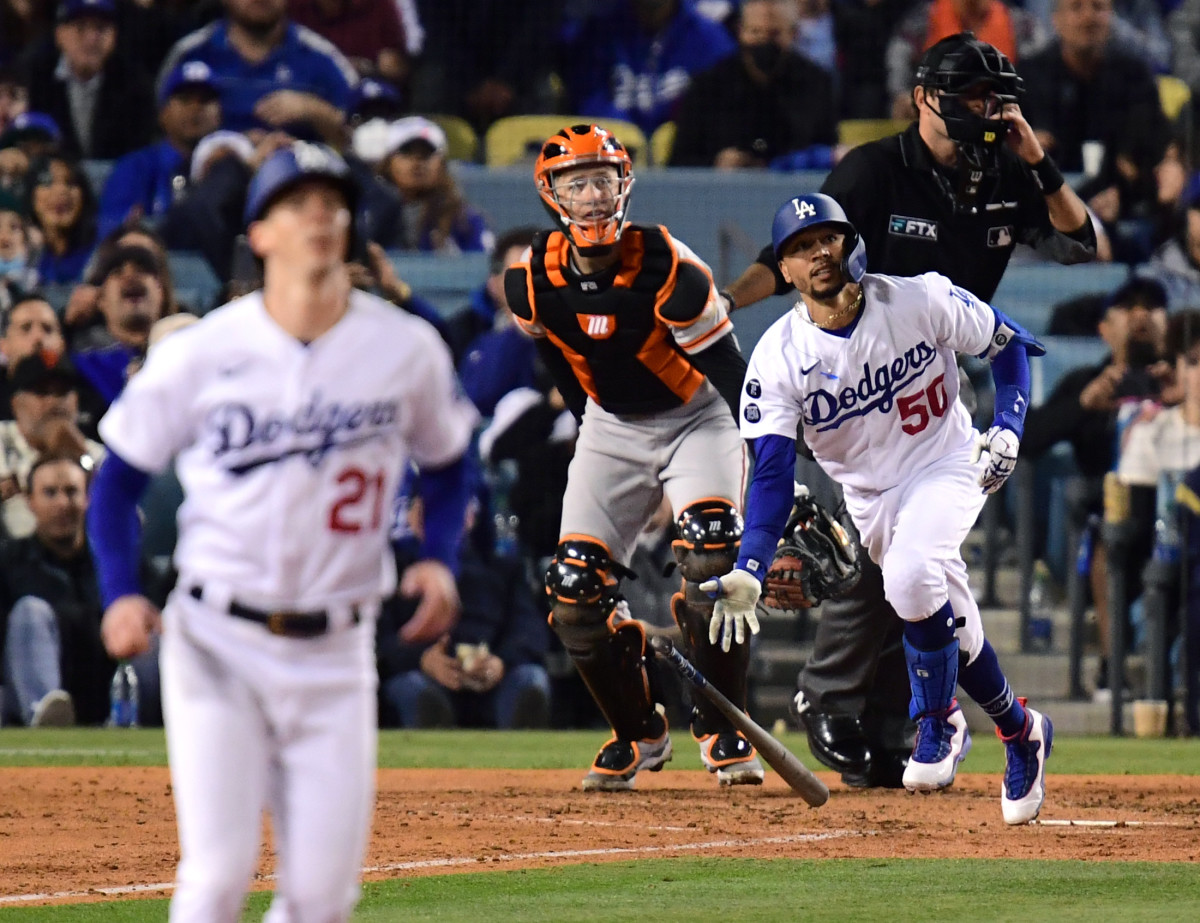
<point x="954" y="193"/>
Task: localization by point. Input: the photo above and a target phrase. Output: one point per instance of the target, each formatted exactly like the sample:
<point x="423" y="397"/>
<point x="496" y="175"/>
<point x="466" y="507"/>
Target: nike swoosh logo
<point x="810" y="368"/>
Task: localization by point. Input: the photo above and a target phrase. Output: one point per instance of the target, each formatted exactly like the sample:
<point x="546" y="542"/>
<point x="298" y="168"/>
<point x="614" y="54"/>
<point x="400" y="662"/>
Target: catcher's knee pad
<point x="582" y="571"/>
<point x="708" y="533"/>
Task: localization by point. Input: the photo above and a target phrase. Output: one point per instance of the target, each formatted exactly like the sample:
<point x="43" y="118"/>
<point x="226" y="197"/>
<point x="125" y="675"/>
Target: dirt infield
<point x="68" y="833"/>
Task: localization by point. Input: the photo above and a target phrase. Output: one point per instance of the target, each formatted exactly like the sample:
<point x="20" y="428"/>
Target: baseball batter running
<point x="290" y="414"/>
<point x="630" y="324"/>
<point x="866" y="363"/>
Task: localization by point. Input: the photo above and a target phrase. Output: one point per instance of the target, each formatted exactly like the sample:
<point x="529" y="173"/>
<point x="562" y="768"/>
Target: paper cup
<point x="1149" y="718"/>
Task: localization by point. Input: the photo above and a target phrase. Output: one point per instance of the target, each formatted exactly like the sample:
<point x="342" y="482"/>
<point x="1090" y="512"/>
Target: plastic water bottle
<point x="1041" y="625"/>
<point x="124" y="698"/>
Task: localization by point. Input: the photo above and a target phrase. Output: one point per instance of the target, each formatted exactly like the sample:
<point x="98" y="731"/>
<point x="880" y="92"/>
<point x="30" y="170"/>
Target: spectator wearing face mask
<point x="764" y="103"/>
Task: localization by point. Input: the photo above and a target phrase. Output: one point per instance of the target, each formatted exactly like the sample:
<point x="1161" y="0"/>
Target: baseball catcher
<point x="815" y="559"/>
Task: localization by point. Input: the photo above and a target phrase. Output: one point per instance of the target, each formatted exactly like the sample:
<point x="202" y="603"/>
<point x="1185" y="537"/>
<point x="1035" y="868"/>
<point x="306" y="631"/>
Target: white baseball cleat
<point x="732" y="758"/>
<point x="942" y="742"/>
<point x="1025" y="755"/>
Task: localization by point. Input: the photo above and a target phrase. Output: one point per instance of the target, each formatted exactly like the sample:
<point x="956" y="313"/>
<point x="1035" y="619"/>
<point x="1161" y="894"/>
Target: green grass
<point x="568" y="750"/>
<point x="764" y="891"/>
<point x="688" y="889"/>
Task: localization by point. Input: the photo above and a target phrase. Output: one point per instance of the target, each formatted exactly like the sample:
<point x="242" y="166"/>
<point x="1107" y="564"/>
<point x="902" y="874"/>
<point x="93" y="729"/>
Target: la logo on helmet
<point x="804" y="209"/>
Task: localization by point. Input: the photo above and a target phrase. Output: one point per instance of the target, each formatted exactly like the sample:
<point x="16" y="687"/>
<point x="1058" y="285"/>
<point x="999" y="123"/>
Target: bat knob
<point x="662" y="646"/>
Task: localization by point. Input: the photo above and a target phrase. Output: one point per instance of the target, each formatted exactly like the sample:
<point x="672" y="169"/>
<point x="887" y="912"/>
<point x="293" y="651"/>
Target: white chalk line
<point x="1116" y="823"/>
<point x="457" y="861"/>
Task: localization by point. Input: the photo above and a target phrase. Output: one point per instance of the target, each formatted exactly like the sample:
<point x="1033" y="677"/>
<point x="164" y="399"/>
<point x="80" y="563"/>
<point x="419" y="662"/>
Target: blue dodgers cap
<point x="30" y="125"/>
<point x="188" y="75"/>
<point x="370" y="93"/>
<point x="805" y="211"/>
<point x="69" y="10"/>
<point x="289" y="166"/>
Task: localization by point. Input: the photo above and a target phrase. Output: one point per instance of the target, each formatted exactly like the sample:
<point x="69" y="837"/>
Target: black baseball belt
<point x="288" y="624"/>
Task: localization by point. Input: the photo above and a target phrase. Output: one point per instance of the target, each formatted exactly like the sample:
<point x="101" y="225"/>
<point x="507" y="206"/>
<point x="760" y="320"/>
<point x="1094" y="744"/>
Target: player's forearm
<point x="1010" y="372"/>
<point x="114" y="529"/>
<point x="752" y="286"/>
<point x="768" y="502"/>
<point x="1069" y="215"/>
<point x="445" y="492"/>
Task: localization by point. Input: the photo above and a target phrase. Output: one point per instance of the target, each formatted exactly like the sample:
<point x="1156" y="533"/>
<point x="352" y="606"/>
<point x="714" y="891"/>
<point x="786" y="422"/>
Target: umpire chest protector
<point x="615" y="327"/>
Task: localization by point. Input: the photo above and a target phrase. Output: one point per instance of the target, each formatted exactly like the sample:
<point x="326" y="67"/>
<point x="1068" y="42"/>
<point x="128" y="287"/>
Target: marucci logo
<point x="598" y="326"/>
<point x="913" y="227"/>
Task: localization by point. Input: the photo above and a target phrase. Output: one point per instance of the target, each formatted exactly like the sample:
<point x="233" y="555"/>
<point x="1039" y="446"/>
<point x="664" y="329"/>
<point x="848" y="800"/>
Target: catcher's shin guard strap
<point x="726" y="670"/>
<point x="611" y="661"/>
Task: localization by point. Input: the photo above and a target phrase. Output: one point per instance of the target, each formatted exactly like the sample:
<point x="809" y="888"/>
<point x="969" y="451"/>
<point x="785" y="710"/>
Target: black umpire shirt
<point x="902" y="204"/>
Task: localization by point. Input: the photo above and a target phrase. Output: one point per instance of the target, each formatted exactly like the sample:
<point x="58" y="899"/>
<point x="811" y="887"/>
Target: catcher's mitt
<point x="815" y="559"/>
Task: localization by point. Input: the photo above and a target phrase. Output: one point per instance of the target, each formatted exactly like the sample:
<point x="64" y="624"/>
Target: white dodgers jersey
<point x="882" y="403"/>
<point x="290" y="454"/>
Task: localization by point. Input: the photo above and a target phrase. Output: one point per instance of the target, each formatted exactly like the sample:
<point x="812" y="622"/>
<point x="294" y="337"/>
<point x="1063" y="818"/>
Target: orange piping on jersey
<point x="695" y="345"/>
<point x="579" y="366"/>
<point x="671" y="368"/>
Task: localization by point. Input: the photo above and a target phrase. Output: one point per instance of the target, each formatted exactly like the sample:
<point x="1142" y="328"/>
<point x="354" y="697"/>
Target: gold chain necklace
<point x="847" y="311"/>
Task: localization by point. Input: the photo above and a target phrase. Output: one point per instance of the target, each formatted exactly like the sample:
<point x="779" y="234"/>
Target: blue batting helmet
<point x="292" y="165"/>
<point x="806" y="211"/>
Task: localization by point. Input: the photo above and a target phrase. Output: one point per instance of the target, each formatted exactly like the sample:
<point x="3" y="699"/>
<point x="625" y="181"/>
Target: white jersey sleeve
<point x="961" y="321"/>
<point x="443" y="418"/>
<point x="772" y="396"/>
<point x="713" y="321"/>
<point x="154" y="418"/>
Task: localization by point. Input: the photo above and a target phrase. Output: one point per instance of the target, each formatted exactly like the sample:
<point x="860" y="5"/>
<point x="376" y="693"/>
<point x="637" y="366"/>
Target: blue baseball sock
<point x="984" y="681"/>
<point x="931" y="651"/>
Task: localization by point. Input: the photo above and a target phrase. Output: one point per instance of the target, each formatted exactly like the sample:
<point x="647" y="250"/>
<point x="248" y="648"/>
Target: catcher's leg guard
<point x="609" y="655"/>
<point x="709" y="534"/>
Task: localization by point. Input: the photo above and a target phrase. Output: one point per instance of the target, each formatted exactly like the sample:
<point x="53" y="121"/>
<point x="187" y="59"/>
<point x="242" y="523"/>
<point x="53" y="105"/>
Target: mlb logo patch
<point x="1001" y="236"/>
<point x="920" y="228"/>
<point x="598" y="326"/>
<point x="753" y="388"/>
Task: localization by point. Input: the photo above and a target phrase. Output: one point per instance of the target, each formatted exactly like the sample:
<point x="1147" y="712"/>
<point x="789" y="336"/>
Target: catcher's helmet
<point x="582" y="146"/>
<point x="292" y="165"/>
<point x="805" y="211"/>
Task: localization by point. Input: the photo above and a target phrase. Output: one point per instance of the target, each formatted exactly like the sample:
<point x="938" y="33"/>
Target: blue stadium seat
<point x="1063" y="354"/>
<point x="445" y="281"/>
<point x="1028" y="293"/>
<point x="196" y="285"/>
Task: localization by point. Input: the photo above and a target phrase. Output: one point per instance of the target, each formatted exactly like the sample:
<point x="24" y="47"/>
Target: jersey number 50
<point x="916" y="408"/>
<point x="360" y="505"/>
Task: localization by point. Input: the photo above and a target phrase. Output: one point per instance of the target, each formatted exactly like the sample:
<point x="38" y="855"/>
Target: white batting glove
<point x="1001" y="445"/>
<point x="736" y="594"/>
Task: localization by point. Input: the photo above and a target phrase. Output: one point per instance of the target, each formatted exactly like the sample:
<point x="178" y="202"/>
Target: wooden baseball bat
<point x="779" y="757"/>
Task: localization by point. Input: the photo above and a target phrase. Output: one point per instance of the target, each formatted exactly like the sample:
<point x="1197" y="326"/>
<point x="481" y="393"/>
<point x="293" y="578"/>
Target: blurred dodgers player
<point x="290" y="413"/>
<point x="867" y="363"/>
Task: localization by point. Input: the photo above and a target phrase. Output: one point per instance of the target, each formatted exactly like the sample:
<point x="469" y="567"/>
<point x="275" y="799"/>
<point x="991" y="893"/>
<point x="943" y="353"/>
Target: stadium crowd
<point x="179" y="102"/>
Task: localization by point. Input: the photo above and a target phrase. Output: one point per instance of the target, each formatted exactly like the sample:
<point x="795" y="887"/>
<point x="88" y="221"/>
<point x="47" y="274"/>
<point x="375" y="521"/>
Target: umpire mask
<point x="963" y="70"/>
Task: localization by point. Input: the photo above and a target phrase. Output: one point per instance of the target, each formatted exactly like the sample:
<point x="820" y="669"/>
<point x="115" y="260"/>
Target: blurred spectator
<point x="374" y="105"/>
<point x="1176" y="263"/>
<point x="131" y="299"/>
<point x="14" y="96"/>
<point x="862" y="30"/>
<point x="145" y="182"/>
<point x="45" y="403"/>
<point x="635" y="60"/>
<point x="272" y="73"/>
<point x="488" y="671"/>
<point x="372" y="271"/>
<point x="1168" y="438"/>
<point x="1010" y="29"/>
<point x="29" y="326"/>
<point x="487" y="311"/>
<point x="764" y="103"/>
<point x="22" y="24"/>
<point x="1183" y="27"/>
<point x="436" y="217"/>
<point x="17" y="272"/>
<point x="814" y="32"/>
<point x="30" y="137"/>
<point x="1138" y="28"/>
<point x="1084" y="94"/>
<point x="63" y="209"/>
<point x="1083" y="410"/>
<point x="103" y="102"/>
<point x="484" y="59"/>
<point x="56" y="671"/>
<point x="371" y="33"/>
